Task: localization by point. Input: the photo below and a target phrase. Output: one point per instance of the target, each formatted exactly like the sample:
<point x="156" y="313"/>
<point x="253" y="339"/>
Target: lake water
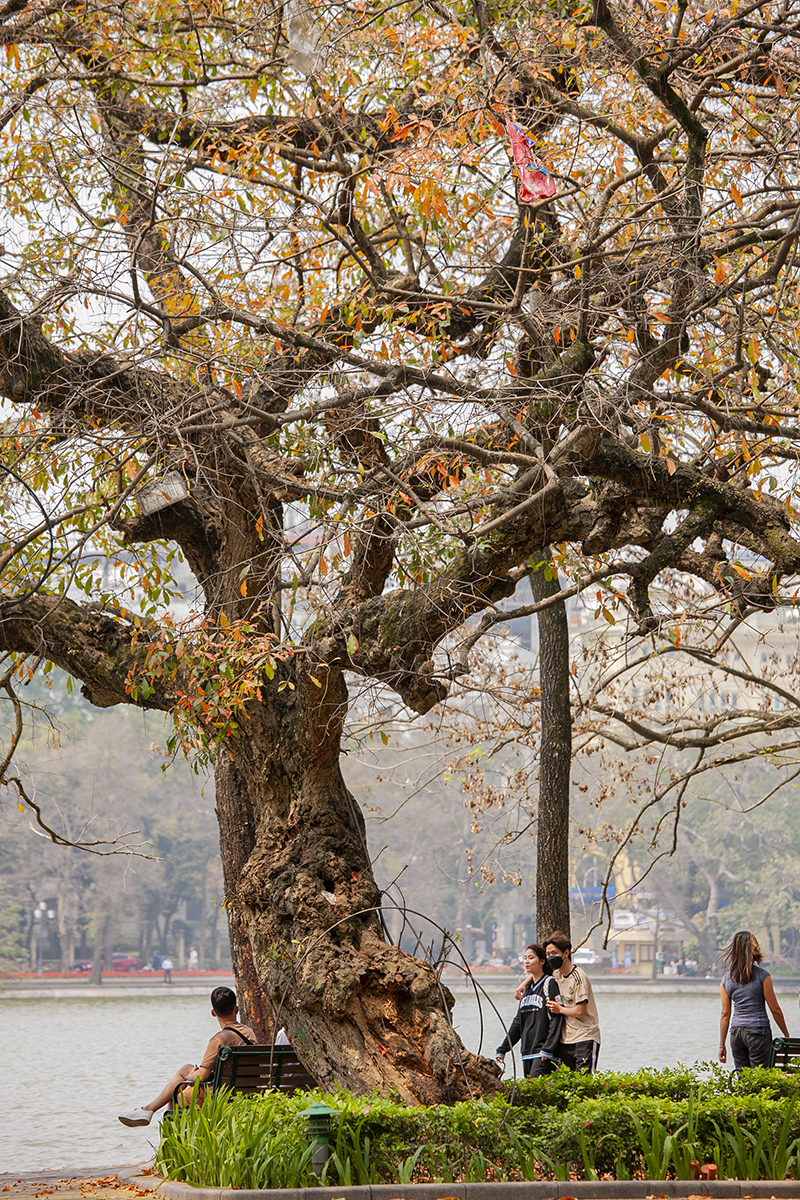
<point x="70" y="1066"/>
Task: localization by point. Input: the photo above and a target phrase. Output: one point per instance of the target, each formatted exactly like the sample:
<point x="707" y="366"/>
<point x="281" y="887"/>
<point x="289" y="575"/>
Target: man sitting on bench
<point x="231" y="1033"/>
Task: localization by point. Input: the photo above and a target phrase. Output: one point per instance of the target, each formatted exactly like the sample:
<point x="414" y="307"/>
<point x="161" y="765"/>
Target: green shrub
<point x="236" y="1143"/>
<point x="649" y="1124"/>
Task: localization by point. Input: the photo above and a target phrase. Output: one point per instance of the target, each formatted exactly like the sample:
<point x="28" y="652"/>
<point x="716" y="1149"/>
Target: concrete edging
<point x="612" y="1189"/>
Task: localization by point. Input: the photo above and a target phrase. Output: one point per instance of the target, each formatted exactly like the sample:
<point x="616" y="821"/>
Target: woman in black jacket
<point x="538" y="1029"/>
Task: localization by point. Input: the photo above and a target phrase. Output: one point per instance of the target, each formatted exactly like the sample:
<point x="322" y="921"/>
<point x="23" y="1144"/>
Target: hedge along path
<point x="623" y="1127"/>
<point x="637" y="1189"/>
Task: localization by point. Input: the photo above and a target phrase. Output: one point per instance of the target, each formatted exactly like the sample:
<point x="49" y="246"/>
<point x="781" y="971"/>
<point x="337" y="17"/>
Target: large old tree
<point x="270" y="302"/>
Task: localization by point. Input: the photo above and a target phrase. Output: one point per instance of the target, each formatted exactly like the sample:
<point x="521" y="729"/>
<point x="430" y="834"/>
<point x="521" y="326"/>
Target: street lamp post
<point x="51" y="916"/>
<point x="41" y="915"/>
<point x="37" y="945"/>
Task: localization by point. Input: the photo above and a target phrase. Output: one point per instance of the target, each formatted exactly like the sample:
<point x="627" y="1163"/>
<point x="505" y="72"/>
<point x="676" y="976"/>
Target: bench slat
<point x="261" y="1068"/>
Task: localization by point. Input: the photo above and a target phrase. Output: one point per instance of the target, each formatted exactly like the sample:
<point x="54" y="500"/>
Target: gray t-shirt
<point x="749" y="1010"/>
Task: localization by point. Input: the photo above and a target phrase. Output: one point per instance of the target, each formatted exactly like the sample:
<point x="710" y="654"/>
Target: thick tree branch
<point x="92" y="646"/>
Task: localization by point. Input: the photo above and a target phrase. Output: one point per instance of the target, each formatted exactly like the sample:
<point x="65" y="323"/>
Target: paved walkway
<point x="88" y="1183"/>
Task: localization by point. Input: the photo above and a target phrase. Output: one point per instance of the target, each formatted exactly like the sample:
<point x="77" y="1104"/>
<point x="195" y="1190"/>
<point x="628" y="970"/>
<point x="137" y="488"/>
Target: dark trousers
<point x="751" y="1046"/>
<point x="580" y="1056"/>
<point x="534" y="1068"/>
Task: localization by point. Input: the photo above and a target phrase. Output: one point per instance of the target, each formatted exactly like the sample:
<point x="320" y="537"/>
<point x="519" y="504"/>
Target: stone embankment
<point x="72" y="987"/>
<point x="607" y="983"/>
<point x="114" y="986"/>
<point x="634" y="1189"/>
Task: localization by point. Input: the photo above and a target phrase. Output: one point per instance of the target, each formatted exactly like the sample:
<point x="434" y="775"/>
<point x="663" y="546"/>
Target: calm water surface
<point x="70" y="1066"/>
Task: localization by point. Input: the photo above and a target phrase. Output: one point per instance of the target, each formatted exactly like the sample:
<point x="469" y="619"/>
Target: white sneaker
<point x="137" y="1116"/>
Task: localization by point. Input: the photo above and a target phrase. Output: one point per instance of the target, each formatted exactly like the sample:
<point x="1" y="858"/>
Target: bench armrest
<point x="188" y="1083"/>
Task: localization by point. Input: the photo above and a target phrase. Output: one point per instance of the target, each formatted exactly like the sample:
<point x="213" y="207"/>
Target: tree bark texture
<point x="555" y="761"/>
<point x="303" y="910"/>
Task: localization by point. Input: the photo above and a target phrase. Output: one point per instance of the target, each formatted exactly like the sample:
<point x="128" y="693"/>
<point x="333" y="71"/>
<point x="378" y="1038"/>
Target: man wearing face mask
<point x="580" y="1038"/>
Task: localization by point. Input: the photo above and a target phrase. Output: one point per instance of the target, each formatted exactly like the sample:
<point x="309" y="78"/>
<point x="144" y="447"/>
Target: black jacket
<point x="539" y="1029"/>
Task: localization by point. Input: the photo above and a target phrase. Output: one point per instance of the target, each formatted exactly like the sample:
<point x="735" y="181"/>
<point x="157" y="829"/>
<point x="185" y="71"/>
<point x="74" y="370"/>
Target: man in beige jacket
<point x="580" y="1037"/>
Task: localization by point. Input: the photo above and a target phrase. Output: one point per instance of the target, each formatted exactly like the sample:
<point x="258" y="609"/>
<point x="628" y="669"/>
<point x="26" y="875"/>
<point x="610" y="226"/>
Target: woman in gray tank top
<point x="747" y="988"/>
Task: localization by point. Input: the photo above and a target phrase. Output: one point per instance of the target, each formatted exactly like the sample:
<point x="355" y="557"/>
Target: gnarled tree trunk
<point x="308" y="945"/>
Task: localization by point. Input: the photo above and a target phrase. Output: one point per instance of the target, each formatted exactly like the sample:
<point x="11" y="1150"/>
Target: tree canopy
<point x="271" y="304"/>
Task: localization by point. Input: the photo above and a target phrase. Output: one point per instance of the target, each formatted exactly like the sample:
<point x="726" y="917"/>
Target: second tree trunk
<point x="555" y="761"/>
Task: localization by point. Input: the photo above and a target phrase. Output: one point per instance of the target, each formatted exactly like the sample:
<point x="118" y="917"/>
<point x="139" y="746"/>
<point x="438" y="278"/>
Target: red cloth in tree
<point x="535" y="181"/>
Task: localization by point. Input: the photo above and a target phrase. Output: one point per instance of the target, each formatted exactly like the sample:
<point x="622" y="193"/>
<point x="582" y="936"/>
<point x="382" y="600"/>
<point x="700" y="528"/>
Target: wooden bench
<point x="254" y="1069"/>
<point x="785" y="1054"/>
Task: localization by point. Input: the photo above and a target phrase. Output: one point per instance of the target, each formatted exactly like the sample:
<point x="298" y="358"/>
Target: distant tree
<point x="12" y="923"/>
<point x="272" y="304"/>
<point x="98" y="780"/>
<point x="737" y="862"/>
<point x="685" y="747"/>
